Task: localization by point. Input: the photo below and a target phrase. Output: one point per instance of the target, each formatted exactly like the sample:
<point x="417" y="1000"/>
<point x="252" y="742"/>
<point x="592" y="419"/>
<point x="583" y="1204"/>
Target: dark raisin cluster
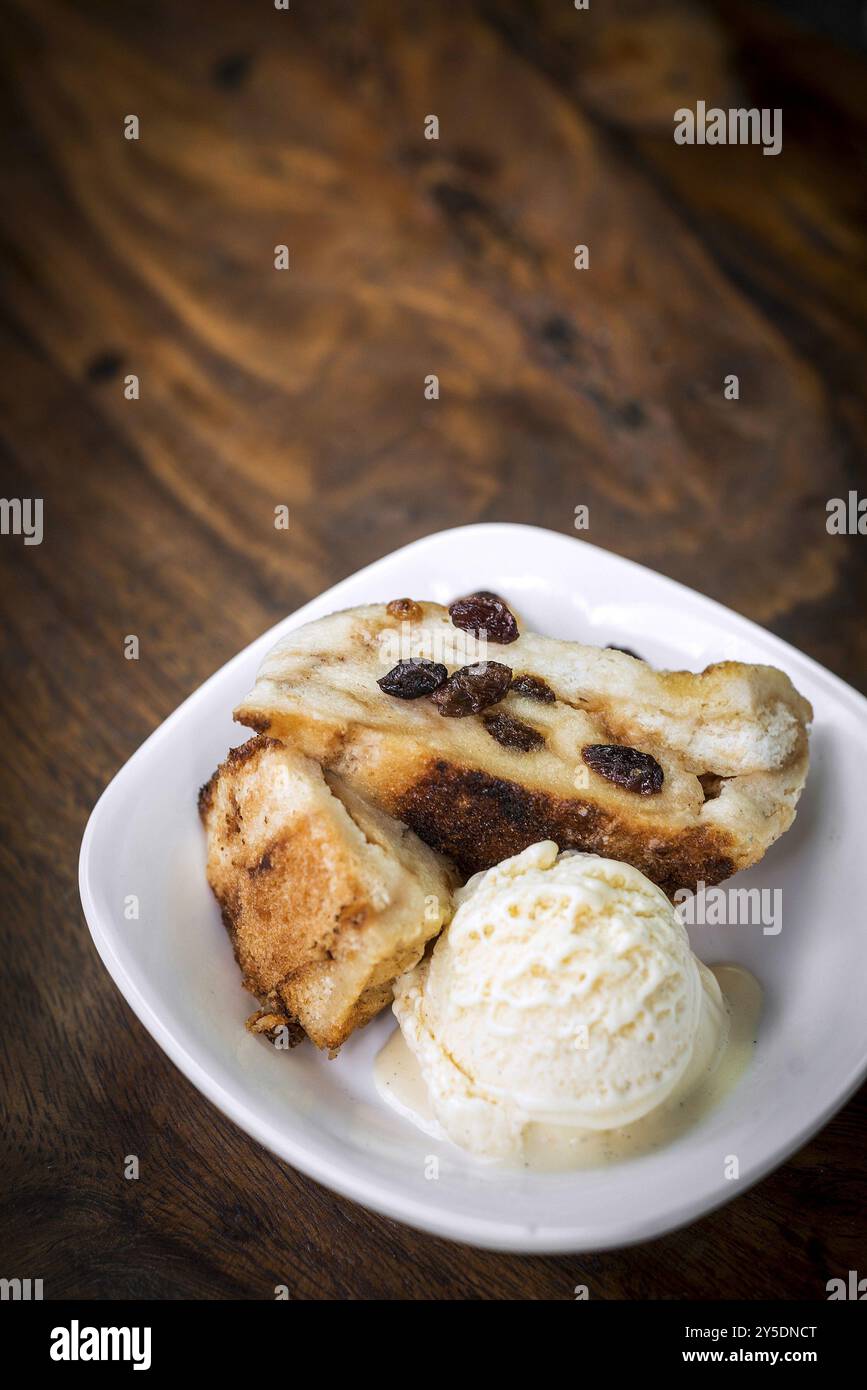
<point x="626" y="767"/>
<point x="410" y="680"/>
<point x="485" y="613"/>
<point x="472" y="689"/>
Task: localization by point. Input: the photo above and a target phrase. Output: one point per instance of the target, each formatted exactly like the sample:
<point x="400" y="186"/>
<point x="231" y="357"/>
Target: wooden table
<point x="305" y="388"/>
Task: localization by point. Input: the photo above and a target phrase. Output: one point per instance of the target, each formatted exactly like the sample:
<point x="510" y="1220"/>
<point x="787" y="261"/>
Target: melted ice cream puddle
<point x="719" y="1060"/>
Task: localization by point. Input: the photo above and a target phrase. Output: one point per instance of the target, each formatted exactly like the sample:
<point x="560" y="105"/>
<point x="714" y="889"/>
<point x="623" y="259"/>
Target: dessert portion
<point x="485" y="739"/>
<point x="563" y="998"/>
<point x="403" y="747"/>
<point x="325" y="897"/>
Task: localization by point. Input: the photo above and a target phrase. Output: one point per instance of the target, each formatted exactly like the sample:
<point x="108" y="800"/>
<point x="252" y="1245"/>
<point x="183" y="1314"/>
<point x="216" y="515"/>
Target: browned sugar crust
<point x="479" y="820"/>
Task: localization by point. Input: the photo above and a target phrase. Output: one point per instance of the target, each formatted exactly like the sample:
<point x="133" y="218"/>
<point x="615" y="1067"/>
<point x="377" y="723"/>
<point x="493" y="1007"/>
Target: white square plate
<point x="175" y="967"/>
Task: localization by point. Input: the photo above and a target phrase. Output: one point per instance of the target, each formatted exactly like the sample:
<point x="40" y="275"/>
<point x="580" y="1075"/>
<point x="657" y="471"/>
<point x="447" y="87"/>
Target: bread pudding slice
<point x="326" y="898"/>
<point x="687" y="776"/>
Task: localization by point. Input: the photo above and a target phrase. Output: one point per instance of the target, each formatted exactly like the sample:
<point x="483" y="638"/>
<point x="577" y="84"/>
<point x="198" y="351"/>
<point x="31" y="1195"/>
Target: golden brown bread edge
<point x="325" y="899"/>
<point x="477" y="820"/>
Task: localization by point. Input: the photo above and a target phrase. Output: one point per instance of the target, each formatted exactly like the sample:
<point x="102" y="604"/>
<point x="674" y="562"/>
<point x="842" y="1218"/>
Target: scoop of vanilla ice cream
<point x="564" y="992"/>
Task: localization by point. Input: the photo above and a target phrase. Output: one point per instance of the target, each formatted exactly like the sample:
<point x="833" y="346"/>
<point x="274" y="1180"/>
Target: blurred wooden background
<point x="258" y="387"/>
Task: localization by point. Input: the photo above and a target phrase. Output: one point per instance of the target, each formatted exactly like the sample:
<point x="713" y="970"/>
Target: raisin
<point x="409" y="680"/>
<point x="406" y="609"/>
<point x="472" y="689"/>
<point x="534" y="688"/>
<point x="486" y="613"/>
<point x="627" y="767"/>
<point x="612" y="647"/>
<point x="511" y="732"/>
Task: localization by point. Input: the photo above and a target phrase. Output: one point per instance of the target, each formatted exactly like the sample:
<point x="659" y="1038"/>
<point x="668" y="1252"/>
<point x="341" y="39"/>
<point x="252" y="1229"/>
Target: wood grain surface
<point x="305" y="388"/>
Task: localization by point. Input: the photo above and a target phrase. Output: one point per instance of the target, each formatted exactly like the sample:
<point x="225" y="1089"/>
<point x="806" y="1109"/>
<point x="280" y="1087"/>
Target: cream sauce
<point x="713" y="1073"/>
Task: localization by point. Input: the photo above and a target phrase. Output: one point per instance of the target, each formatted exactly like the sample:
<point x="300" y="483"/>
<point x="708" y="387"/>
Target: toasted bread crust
<point x="325" y="899"/>
<point x="479" y="820"/>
